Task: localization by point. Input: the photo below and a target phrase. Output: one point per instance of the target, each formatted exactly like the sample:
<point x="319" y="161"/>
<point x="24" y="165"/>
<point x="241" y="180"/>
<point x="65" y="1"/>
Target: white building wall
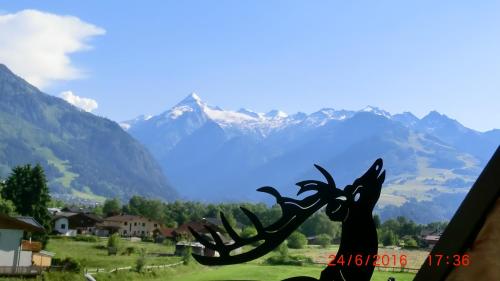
<point x="10" y="241"/>
<point x="25" y="258"/>
<point x="61" y="225"/>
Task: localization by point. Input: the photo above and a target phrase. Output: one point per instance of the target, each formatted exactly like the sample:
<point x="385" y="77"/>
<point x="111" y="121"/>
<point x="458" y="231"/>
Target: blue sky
<point x="145" y="56"/>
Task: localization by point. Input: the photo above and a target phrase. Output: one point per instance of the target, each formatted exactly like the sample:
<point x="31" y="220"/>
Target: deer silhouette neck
<point x="359" y="238"/>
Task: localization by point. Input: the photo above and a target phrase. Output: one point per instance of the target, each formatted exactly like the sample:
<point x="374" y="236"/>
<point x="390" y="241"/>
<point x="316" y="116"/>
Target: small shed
<point x="196" y="248"/>
<point x="42" y="258"/>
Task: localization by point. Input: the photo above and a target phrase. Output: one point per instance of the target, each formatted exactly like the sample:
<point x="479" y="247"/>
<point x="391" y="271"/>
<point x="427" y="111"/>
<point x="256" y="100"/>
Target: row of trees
<point x="402" y="231"/>
<point x="391" y="232"/>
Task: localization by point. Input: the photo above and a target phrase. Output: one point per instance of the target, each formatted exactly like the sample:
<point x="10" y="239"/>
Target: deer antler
<point x="294" y="213"/>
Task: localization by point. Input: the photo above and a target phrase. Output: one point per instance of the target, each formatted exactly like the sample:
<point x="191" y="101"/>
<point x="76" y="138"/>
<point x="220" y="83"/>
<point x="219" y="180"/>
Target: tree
<point x="297" y="240"/>
<point x="6" y="207"/>
<point x="324" y="240"/>
<point x="248" y="232"/>
<point x="320" y="224"/>
<point x="112" y="207"/>
<point x="389" y="238"/>
<point x="27" y="188"/>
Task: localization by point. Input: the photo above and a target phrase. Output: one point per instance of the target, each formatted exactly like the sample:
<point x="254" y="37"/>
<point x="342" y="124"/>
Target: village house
<point x="74" y="223"/>
<point x="164" y="233"/>
<point x="430" y="237"/>
<point x="184" y="237"/>
<point x="128" y="226"/>
<point x="431" y="240"/>
<point x="18" y="256"/>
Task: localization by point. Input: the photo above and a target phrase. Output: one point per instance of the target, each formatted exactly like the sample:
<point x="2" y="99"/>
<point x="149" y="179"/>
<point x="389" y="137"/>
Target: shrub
<point x="129" y="250"/>
<point x="168" y="243"/>
<point x="147" y="239"/>
<point x="289" y="260"/>
<point x="68" y="264"/>
<point x="410" y="243"/>
<point x="283" y="249"/>
<point x="186" y="256"/>
<point x="141" y="261"/>
<point x="324" y="240"/>
<point x="297" y="240"/>
<point x="86" y="238"/>
<point x="113" y="244"/>
<point x="249" y="232"/>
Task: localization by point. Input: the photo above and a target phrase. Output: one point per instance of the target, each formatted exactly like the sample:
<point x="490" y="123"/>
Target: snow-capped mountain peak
<point x="251" y="113"/>
<point x="276" y="114"/>
<point x="376" y="110"/>
<point x="129" y="123"/>
<point x="191" y="99"/>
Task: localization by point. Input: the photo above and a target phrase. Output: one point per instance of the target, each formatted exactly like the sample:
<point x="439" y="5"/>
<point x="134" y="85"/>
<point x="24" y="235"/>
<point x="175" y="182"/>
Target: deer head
<point x="294" y="213"/>
<point x="359" y="197"/>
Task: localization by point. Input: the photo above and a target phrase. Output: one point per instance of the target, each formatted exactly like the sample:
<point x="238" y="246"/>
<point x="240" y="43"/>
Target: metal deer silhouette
<point x="352" y="206"/>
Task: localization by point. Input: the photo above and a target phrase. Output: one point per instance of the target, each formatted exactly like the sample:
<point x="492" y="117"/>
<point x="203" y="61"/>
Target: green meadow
<point x="93" y="255"/>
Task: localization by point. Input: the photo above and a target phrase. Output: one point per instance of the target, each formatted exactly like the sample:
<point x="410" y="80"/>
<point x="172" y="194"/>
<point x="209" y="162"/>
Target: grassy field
<point x="94" y="255"/>
<point x="245" y="272"/>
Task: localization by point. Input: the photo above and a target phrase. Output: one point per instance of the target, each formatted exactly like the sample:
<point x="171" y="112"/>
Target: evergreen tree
<point x="27" y="188"/>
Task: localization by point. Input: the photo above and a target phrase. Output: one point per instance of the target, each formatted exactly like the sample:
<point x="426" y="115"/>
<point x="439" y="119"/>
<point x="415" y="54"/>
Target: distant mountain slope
<point x="216" y="155"/>
<point x="85" y="156"/>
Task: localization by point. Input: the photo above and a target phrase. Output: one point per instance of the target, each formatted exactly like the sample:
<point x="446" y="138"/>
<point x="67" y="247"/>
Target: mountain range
<point x="212" y="154"/>
<point x="85" y="157"/>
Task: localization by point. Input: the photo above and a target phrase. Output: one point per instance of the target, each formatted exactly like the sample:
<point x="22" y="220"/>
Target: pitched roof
<point x="167" y="232"/>
<point x="127" y="218"/>
<point x="198" y="226"/>
<point x="22" y="223"/>
<point x="63" y="215"/>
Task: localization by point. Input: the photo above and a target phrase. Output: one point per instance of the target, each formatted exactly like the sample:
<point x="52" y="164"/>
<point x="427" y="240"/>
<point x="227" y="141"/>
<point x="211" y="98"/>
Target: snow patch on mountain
<point x="376" y="110"/>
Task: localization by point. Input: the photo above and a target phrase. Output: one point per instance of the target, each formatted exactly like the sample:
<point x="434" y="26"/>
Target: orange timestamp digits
<point x="368" y="260"/>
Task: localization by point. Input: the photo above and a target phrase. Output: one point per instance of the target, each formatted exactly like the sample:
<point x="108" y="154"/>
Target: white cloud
<point x="36" y="45"/>
<point x="83" y="103"/>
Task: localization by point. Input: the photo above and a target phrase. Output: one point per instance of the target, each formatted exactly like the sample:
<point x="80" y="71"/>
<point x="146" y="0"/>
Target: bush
<point x="289" y="260"/>
<point x="248" y="232"/>
<point x="113" y="244"/>
<point x="86" y="238"/>
<point x="168" y="243"/>
<point x="129" y="250"/>
<point x="141" y="261"/>
<point x="186" y="256"/>
<point x="282" y="249"/>
<point x="147" y="239"/>
<point x="324" y="240"/>
<point x="68" y="264"/>
<point x="410" y="243"/>
<point x="297" y="240"/>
